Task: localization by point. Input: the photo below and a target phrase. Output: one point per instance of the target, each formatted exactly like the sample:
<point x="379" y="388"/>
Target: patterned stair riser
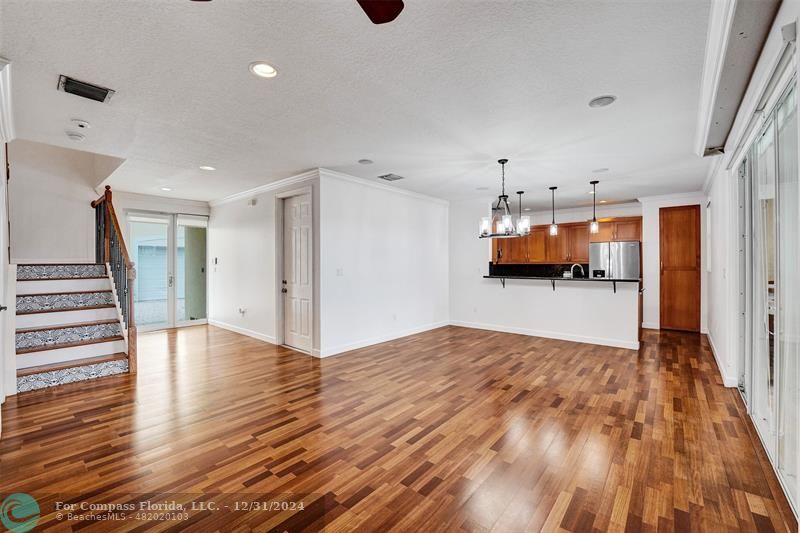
<point x="48" y="302"/>
<point x="51" y="337"/>
<point x="70" y="375"/>
<point x="27" y="272"/>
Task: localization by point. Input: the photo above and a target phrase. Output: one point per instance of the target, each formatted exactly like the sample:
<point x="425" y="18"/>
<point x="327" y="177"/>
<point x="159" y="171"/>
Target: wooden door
<point x="679" y="251"/>
<point x="628" y="230"/>
<point x="297" y="272"/>
<point x="537" y="249"/>
<point x="605" y="234"/>
<point x="578" y="243"/>
<point x="558" y="247"/>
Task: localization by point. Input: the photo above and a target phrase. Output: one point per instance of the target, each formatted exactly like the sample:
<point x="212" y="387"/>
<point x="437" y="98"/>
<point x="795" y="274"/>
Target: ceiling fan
<point x="378" y="11"/>
<point x="381" y="11"/>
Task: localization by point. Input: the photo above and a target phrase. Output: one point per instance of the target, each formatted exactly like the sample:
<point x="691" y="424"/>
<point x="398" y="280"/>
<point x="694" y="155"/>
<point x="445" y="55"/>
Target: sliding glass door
<point x="169" y="252"/>
<point x="770" y="288"/>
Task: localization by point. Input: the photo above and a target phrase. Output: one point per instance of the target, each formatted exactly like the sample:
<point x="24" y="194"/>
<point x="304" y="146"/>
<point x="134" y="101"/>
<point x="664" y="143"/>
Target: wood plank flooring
<point x="450" y="430"/>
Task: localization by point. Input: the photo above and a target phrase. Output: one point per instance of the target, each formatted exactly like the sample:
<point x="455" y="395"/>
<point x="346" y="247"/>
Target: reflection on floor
<point x="452" y="429"/>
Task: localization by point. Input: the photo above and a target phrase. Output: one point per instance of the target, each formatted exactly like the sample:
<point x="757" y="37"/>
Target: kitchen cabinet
<point x="558" y="247"/>
<point x="619" y="229"/>
<point x="537" y="245"/>
<point x="578" y="243"/>
<point x="571" y="245"/>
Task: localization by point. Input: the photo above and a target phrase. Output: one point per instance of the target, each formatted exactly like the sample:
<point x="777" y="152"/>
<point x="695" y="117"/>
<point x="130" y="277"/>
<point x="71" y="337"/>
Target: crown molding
<point x="692" y="197"/>
<point x="324" y="172"/>
<point x="7" y="133"/>
<point x="274" y="185"/>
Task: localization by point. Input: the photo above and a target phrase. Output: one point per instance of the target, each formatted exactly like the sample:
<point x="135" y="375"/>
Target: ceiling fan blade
<point x="381" y="11"/>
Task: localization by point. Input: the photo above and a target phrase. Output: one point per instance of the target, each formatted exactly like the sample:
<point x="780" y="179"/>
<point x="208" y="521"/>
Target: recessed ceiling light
<point x="206" y="167"/>
<point x="166" y="189"/>
<point x="527" y="209"/>
<point x="75" y="136"/>
<point x="603" y="201"/>
<point x="365" y="161"/>
<point x="591" y="192"/>
<point x="263" y="70"/>
<point x="599" y="170"/>
<point x="602" y="101"/>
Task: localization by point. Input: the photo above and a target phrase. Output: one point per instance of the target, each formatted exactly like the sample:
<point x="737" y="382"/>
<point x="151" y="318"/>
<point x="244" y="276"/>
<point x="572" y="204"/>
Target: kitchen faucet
<point x="572" y="270"/>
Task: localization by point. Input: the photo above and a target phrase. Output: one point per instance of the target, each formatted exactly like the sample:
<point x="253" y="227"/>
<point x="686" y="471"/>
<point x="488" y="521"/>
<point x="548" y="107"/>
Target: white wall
<point x="581" y="311"/>
<point x="384" y="263"/>
<point x="651" y="256"/>
<point x="242" y="237"/>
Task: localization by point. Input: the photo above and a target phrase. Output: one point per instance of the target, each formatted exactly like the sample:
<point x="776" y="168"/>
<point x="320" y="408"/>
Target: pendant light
<point x="501" y="224"/>
<point x="524" y="222"/>
<point x="594" y="227"/>
<point x="553" y="225"/>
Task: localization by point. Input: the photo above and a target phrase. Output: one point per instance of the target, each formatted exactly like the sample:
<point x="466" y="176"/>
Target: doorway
<point x="679" y="249"/>
<point x="297" y="272"/>
<point x="169" y="252"/>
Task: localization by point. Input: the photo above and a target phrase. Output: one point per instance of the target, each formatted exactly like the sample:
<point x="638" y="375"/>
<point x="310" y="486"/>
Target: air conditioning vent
<point x="84" y="89"/>
<point x="390" y="177"/>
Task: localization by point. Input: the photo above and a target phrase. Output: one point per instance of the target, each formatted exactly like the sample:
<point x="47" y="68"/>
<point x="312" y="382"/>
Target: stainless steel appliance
<point x="615" y="260"/>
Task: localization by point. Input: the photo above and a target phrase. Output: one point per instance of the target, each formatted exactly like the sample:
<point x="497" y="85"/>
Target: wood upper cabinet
<point x="605" y="234"/>
<point x="619" y="229"/>
<point x="578" y="243"/>
<point x="628" y="230"/>
<point x="571" y="245"/>
<point x="537" y="247"/>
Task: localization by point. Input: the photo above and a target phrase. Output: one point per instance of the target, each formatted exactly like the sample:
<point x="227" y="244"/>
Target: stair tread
<point x="72" y="325"/>
<point x="92" y="291"/>
<point x="63" y="279"/>
<point x="71" y="364"/>
<point x="85" y="342"/>
<point x="66" y="309"/>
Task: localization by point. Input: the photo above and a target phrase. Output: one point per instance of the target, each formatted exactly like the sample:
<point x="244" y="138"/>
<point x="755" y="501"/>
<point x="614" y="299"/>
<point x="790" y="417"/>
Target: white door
<point x="297" y="272"/>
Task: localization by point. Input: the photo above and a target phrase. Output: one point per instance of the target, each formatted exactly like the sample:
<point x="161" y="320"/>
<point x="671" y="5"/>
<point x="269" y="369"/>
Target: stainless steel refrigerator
<point x="615" y="260"/>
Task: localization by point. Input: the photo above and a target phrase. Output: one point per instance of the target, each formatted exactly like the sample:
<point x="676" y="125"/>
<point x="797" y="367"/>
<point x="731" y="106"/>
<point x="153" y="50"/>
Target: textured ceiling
<point x="436" y="96"/>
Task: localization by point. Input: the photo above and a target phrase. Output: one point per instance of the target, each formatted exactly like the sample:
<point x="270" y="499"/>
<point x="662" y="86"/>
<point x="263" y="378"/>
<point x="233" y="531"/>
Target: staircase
<point x="68" y="326"/>
<point x="75" y="321"/>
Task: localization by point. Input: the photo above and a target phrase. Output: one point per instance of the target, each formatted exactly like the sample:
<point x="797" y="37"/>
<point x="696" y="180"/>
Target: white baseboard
<point x="728" y="381"/>
<point x="650" y="325"/>
<point x="327" y="352"/>
<point x="242" y="331"/>
<point x="615" y="343"/>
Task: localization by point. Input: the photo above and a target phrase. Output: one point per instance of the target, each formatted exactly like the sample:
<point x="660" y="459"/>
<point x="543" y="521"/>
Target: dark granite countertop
<point x="559" y="278"/>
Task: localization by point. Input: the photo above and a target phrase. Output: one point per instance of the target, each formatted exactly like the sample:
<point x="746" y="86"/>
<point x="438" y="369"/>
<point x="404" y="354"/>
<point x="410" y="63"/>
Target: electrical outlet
<point x="242" y="310"/>
<point x="339" y="272"/>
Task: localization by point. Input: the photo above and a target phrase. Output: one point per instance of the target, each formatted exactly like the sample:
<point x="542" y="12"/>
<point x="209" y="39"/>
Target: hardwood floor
<point x="453" y="429"/>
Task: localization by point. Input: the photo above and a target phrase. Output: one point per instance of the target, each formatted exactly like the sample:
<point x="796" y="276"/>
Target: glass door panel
<point x="149" y="250"/>
<point x="788" y="292"/>
<point x="764" y="230"/>
<point x="190" y="261"/>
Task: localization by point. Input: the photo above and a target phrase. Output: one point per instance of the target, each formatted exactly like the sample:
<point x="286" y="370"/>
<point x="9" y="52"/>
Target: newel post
<point x="131" y="273"/>
<point x="107" y="226"/>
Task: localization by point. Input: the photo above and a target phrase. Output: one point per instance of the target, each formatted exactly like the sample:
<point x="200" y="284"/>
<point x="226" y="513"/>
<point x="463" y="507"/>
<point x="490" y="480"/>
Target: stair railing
<point x="110" y="249"/>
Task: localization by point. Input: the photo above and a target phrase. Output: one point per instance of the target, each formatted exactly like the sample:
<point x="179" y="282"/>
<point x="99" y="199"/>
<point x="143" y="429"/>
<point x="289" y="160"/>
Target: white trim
<point x="7" y="133"/>
<point x="651" y="325"/>
<point x="342" y="348"/>
<point x="311" y="174"/>
<point x="615" y="343"/>
<point x="719" y="29"/>
<point x="728" y="381"/>
<point x="242" y="331"/>
<point x="688" y="198"/>
<point x="134" y="201"/>
<point x="382" y="186"/>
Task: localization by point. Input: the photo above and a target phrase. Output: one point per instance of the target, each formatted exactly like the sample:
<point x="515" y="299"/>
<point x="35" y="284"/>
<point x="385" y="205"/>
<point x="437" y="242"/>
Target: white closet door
<point x="297" y="272"/>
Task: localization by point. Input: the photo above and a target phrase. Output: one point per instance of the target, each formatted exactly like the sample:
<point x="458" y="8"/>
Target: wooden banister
<point x="123" y="272"/>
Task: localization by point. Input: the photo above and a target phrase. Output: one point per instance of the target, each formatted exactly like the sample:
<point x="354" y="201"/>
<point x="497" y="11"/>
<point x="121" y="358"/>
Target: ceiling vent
<point x="390" y="177"/>
<point x="84" y="89"/>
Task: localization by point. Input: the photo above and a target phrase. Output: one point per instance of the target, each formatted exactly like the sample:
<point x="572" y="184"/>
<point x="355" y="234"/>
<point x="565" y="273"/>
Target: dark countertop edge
<point x="559" y="278"/>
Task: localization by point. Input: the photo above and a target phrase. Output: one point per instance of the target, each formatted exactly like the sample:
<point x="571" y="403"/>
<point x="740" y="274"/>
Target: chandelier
<point x="501" y="224"/>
